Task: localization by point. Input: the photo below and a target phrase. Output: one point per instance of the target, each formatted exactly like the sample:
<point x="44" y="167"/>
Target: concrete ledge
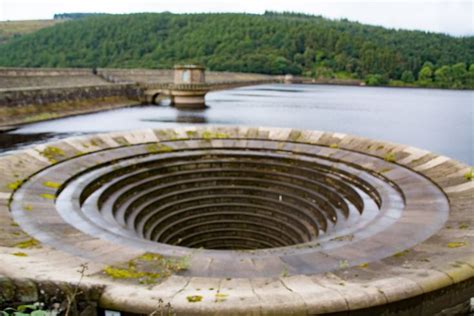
<point x="396" y="263"/>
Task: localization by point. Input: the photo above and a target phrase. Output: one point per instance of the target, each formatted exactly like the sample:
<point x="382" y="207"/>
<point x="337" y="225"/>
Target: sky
<point x="455" y="17"/>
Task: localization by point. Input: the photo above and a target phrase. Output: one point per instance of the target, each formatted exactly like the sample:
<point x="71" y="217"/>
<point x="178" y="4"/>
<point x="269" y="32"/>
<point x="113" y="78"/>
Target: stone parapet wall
<point x="11" y="78"/>
<point x="153" y="76"/>
<point x="44" y="71"/>
<point x="16" y="82"/>
<point x="40" y="96"/>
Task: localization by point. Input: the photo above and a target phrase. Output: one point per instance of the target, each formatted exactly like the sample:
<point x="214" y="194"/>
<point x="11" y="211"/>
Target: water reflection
<point x="192" y="116"/>
<point x="12" y="141"/>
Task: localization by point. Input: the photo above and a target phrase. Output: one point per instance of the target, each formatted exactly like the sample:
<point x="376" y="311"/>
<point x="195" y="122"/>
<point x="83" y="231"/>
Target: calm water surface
<point x="441" y="121"/>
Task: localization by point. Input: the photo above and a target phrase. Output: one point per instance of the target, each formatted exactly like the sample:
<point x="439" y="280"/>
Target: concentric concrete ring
<point x="284" y="220"/>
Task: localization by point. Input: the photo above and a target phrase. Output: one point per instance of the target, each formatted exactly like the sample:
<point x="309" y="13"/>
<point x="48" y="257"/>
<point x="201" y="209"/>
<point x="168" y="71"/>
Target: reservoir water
<point x="441" y="121"/>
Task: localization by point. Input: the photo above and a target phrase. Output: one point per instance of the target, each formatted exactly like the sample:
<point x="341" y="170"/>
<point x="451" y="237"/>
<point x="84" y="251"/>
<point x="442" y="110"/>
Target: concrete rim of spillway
<point x="271" y="220"/>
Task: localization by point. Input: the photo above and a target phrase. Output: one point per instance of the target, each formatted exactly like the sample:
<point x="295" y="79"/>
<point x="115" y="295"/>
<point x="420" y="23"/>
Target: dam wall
<point x="35" y="94"/>
<point x="24" y="105"/>
<point x="40" y="96"/>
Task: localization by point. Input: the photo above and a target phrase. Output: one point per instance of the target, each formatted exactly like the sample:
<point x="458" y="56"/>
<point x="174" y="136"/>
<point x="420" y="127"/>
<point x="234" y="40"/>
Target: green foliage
<point x="25" y="310"/>
<point x="375" y="80"/>
<point x="273" y="43"/>
<point x="425" y="76"/>
<point x="407" y="76"/>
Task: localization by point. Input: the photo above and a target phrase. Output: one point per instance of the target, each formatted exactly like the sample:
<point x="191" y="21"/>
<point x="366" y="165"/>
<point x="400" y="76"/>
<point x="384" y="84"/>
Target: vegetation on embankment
<point x="273" y="43"/>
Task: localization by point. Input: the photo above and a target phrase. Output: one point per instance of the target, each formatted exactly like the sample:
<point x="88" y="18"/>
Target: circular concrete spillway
<point x="284" y="220"/>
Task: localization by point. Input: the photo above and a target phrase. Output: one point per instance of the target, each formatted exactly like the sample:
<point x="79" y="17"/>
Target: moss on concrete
<point x="52" y="185"/>
<point x="15" y="185"/>
<point x="28" y="244"/>
<point x="48" y="196"/>
<point x="158" y="148"/>
<point x="148" y="268"/>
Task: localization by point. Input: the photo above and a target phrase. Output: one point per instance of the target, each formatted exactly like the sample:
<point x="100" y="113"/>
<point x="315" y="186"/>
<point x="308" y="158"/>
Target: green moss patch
<point x="28" y="244"/>
<point x="52" y="185"/>
<point x="221" y="297"/>
<point x="456" y="244"/>
<point x="401" y="253"/>
<point x="194" y="298"/>
<point x="158" y="148"/>
<point x="208" y="135"/>
<point x="15" y="185"/>
<point x="390" y="157"/>
<point x="48" y="196"/>
<point x="191" y="134"/>
<point x="149" y="268"/>
<point x="53" y="154"/>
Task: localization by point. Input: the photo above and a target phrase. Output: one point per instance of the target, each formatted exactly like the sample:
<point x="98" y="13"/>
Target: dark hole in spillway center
<point x="229" y="199"/>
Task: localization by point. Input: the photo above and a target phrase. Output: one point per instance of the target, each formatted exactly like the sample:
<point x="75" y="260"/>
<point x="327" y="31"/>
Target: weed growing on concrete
<point x="163" y="309"/>
<point x="71" y="297"/>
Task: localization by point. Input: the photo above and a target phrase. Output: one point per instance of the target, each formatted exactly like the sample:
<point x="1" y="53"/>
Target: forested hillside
<point x="273" y="43"/>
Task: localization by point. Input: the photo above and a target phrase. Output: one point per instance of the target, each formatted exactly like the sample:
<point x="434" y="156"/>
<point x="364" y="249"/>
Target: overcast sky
<point x="454" y="17"/>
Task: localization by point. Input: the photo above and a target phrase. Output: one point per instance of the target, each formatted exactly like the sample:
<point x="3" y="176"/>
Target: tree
<point x="274" y="43"/>
<point x="460" y="75"/>
<point x="425" y="77"/>
<point x="407" y="76"/>
<point x="280" y="65"/>
<point x="322" y="72"/>
<point x="375" y="80"/>
<point x="470" y="77"/>
<point x="444" y="77"/>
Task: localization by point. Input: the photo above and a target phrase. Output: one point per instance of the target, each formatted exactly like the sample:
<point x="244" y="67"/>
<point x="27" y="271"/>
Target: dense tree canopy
<point x="273" y="43"/>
